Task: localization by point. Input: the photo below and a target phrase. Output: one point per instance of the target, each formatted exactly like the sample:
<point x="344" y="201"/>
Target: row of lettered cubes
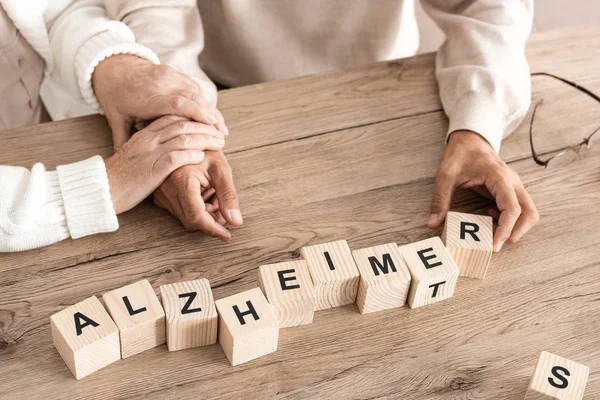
<point x="329" y="275"/>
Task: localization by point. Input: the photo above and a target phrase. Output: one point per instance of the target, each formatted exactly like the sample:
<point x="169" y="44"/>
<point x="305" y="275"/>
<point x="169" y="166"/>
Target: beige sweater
<point x="482" y="73"/>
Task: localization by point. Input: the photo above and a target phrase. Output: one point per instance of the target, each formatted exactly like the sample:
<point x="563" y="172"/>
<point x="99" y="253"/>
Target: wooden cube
<point x="248" y="327"/>
<point x="290" y="291"/>
<point x="557" y="378"/>
<point x="333" y="272"/>
<point x="384" y="278"/>
<point x="434" y="273"/>
<point x="190" y="314"/>
<point x="138" y="315"/>
<point x="86" y="337"/>
<point x="469" y="239"/>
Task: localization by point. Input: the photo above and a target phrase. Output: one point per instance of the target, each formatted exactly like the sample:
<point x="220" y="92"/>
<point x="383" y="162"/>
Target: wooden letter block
<point x="557" y="378"/>
<point x="190" y="313"/>
<point x="290" y="291"/>
<point x="86" y="337"/>
<point x="138" y="315"/>
<point x="434" y="273"/>
<point x="248" y="327"/>
<point x="384" y="278"/>
<point x="333" y="272"/>
<point x="469" y="238"/>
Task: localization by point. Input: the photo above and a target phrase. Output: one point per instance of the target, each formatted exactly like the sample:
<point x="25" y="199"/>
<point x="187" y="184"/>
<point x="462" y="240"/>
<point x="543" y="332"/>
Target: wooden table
<point x="343" y="155"/>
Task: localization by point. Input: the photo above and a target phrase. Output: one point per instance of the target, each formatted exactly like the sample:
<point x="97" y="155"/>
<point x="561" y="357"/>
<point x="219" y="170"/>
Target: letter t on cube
<point x="434" y="272"/>
<point x="290" y="291"/>
<point x="333" y="272"/>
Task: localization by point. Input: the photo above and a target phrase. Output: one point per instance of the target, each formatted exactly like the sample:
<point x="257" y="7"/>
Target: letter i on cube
<point x="334" y="273"/>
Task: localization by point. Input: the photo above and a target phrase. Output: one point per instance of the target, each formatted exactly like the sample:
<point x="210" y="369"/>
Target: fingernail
<point x="236" y="216"/>
<point x="432" y="219"/>
<point x="499" y="246"/>
<point x="212" y="119"/>
<point x="225" y="130"/>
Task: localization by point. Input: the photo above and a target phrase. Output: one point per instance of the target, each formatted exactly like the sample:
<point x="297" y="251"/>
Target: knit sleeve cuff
<point x="478" y="113"/>
<point x="117" y="40"/>
<point x="86" y="198"/>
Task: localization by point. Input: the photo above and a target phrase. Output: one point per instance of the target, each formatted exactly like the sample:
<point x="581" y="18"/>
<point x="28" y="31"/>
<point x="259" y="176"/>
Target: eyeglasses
<point x="573" y="151"/>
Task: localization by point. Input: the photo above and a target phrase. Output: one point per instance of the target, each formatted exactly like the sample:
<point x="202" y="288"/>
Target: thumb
<point x="440" y="201"/>
<point x="229" y="204"/>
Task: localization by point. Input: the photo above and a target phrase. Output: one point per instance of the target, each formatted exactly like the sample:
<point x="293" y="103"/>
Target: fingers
<point x="196" y="215"/>
<point x="169" y="162"/>
<point x="221" y="124"/>
<point x="506" y="199"/>
<point x="192" y="107"/>
<point x="192" y="142"/>
<point x="442" y="196"/>
<point x="185" y="127"/>
<point x="207" y="194"/>
<point x="529" y="215"/>
<point x="226" y="193"/>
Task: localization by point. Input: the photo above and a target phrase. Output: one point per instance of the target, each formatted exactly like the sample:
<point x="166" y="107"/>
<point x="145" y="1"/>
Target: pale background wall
<point x="548" y="14"/>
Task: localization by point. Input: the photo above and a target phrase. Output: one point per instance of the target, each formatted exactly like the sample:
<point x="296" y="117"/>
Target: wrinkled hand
<point x="131" y="89"/>
<point x="470" y="162"/>
<point x="152" y="154"/>
<point x="203" y="196"/>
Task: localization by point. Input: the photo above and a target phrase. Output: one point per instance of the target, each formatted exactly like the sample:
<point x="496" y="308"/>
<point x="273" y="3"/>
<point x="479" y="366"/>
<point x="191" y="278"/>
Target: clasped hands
<point x="179" y="156"/>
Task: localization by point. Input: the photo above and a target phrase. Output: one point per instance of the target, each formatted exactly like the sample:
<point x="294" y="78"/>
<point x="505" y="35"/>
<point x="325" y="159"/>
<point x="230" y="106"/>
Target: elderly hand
<point x="202" y="197"/>
<point x="131" y="89"/>
<point x="469" y="161"/>
<point x="152" y="154"/>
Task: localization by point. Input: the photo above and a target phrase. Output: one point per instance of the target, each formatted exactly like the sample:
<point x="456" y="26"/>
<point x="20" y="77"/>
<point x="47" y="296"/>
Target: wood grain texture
<point x="248" y="328"/>
<point x="95" y="346"/>
<point x="566" y="383"/>
<point x="190" y="313"/>
<point x="360" y="170"/>
<point x="139" y="316"/>
<point x="384" y="278"/>
<point x="333" y="272"/>
<point x="470" y="245"/>
<point x="434" y="273"/>
<point x="289" y="290"/>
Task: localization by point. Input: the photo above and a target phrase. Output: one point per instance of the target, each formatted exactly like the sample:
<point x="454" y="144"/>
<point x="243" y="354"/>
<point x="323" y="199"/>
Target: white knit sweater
<point x="38" y="207"/>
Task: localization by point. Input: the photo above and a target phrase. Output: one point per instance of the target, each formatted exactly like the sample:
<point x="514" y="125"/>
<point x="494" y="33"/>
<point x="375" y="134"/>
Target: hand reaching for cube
<point x="470" y="162"/>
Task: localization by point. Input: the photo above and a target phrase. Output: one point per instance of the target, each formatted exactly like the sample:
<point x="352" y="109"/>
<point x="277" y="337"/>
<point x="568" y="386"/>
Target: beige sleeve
<point x="482" y="73"/>
<point x="172" y="29"/>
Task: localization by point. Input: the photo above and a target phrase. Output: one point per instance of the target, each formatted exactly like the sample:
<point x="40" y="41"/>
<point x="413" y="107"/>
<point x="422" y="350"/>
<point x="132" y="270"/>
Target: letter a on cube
<point x="190" y="313"/>
<point x="248" y="327"/>
<point x="138" y="315"/>
<point x="434" y="273"/>
<point x="333" y="272"/>
<point x="86" y="337"/>
<point x="290" y="291"/>
<point x="384" y="278"/>
<point x="557" y="378"/>
<point x="469" y="238"/>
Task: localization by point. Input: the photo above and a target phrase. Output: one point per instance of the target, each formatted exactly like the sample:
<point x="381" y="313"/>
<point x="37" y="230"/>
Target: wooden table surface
<point x="342" y="155"/>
